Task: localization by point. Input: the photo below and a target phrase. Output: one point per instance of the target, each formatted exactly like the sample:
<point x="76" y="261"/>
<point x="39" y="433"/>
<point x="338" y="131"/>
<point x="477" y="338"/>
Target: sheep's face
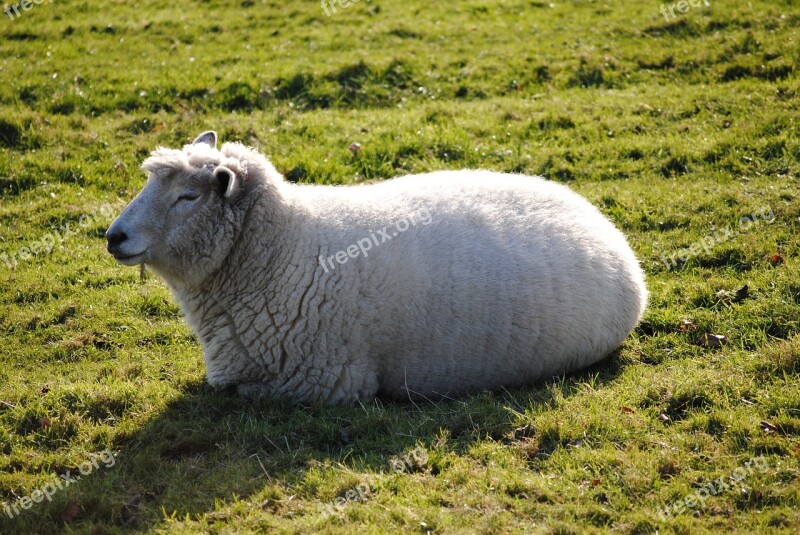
<point x="182" y="223"/>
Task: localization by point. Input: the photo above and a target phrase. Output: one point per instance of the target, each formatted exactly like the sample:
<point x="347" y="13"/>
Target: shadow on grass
<point x="208" y="449"/>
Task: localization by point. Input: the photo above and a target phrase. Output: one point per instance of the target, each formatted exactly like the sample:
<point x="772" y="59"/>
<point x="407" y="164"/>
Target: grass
<point x="676" y="130"/>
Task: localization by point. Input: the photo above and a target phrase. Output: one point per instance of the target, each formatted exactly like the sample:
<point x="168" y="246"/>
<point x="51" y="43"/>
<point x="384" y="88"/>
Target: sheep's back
<point x="514" y="279"/>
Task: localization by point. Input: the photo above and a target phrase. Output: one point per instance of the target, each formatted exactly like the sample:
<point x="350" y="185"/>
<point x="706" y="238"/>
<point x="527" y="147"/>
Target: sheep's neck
<point x="241" y="299"/>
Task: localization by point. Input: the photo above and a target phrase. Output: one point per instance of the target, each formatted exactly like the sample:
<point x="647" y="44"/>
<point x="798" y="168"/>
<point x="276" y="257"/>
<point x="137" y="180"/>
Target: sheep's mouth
<point x="129" y="260"/>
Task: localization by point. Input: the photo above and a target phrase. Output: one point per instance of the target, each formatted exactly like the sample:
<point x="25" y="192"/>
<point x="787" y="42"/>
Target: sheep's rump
<point x="478" y="279"/>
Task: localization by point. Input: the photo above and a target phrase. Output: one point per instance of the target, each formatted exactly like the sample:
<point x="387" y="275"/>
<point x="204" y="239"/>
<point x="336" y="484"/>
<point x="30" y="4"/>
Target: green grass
<point x="675" y="130"/>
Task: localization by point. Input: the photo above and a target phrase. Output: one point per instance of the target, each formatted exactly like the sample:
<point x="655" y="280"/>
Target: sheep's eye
<point x="188" y="197"/>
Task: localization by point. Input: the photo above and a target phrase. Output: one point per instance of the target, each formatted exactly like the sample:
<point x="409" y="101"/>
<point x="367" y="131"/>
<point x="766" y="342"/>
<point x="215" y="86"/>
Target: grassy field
<point x="684" y="132"/>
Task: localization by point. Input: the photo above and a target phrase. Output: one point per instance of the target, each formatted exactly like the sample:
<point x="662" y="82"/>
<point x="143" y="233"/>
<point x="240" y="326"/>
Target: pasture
<point x="681" y="127"/>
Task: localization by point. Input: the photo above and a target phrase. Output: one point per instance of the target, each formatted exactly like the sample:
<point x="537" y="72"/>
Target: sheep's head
<point x="184" y="221"/>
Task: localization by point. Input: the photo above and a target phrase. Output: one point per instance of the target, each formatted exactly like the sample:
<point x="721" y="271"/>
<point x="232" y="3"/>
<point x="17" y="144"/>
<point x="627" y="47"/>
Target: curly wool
<point x="515" y="279"/>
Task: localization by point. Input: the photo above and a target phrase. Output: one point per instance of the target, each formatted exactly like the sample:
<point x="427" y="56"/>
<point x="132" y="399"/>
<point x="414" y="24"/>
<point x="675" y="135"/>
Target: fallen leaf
<point x="355" y="148"/>
<point x="178" y="450"/>
<point x="712" y="340"/>
<point x="768" y="427"/>
<point x="735" y="297"/>
<point x="186" y="447"/>
<point x="669" y="469"/>
<point x="595" y="482"/>
<point x="796" y="450"/>
<point x="688" y="325"/>
<point x="742" y="294"/>
<point x="526" y="431"/>
<point x="627" y="410"/>
<point x="777" y="259"/>
<point x="131" y="508"/>
<point x="70" y="511"/>
<point x="44" y="423"/>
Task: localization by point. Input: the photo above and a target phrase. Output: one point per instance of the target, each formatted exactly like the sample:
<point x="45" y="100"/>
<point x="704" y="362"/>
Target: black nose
<point x="115" y="239"/>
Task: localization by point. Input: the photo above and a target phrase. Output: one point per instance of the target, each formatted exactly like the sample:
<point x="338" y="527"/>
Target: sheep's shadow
<point x="208" y="446"/>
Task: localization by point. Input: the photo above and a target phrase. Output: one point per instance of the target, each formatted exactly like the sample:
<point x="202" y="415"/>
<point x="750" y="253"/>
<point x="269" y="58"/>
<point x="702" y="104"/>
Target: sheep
<point x="419" y="287"/>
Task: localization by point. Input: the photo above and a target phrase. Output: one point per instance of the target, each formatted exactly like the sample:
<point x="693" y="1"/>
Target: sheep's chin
<point x="131" y="260"/>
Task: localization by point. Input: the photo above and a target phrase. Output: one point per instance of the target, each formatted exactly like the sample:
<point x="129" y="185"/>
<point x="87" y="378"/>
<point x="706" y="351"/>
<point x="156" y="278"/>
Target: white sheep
<point x="422" y="286"/>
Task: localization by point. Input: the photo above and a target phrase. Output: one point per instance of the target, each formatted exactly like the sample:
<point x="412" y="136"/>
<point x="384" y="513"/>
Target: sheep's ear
<point x="209" y="138"/>
<point x="227" y="182"/>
